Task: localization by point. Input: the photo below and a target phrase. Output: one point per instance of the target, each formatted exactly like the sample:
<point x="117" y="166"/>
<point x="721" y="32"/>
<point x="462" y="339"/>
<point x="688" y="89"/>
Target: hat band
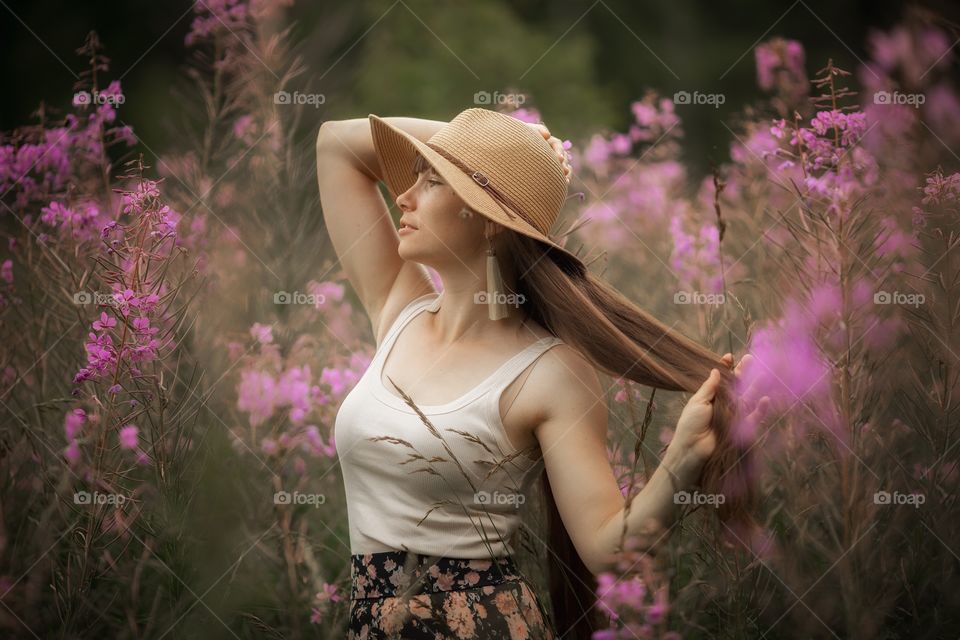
<point x="481" y="179"/>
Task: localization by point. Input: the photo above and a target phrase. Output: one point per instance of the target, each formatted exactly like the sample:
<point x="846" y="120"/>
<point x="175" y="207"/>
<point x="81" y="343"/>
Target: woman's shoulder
<point x="397" y="308"/>
<point x="561" y="385"/>
<point x="562" y="366"/>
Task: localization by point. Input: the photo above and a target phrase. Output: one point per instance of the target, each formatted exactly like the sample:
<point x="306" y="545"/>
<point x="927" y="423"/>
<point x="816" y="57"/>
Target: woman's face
<point x="441" y="234"/>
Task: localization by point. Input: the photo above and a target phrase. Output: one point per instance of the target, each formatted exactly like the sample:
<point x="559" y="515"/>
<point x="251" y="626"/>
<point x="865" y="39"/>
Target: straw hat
<point x="501" y="167"/>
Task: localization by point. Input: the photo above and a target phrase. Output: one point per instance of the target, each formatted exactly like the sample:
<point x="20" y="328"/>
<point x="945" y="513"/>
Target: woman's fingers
<point x="756" y="417"/>
<point x="749" y="394"/>
<point x="708" y="389"/>
<point x="557" y="145"/>
<point x="745" y="362"/>
<point x="541" y="129"/>
<point x="749" y="398"/>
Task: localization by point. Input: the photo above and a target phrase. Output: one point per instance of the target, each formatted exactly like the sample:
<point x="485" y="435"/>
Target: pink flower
<point x="72" y="451"/>
<point x="125" y="134"/>
<point x="105" y="322"/>
<point x="73" y="421"/>
<point x="314" y="443"/>
<point x="262" y="332"/>
<point x="293" y="389"/>
<point x="328" y="592"/>
<point x="269" y="446"/>
<point x="656" y="612"/>
<point x="128" y="437"/>
<point x="334" y="378"/>
<point x="244" y="128"/>
<point x="696" y="262"/>
<point x="781" y="70"/>
<point x="327" y="292"/>
<point x="124" y="300"/>
<point x="256" y="396"/>
<point x="526" y="115"/>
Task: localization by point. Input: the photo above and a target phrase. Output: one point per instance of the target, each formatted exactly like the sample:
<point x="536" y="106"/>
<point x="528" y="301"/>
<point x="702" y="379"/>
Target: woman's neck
<point x="464" y="315"/>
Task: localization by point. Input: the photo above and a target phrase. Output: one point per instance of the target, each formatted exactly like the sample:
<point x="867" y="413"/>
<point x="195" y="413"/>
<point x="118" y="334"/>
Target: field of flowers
<point x="177" y="338"/>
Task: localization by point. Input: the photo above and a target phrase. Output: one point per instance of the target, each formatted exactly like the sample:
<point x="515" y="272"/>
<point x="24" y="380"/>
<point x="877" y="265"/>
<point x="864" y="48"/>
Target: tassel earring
<point x="496" y="297"/>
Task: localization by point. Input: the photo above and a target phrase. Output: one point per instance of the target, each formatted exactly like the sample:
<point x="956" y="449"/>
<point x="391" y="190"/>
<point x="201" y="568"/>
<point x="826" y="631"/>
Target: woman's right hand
<point x="557" y="145"/>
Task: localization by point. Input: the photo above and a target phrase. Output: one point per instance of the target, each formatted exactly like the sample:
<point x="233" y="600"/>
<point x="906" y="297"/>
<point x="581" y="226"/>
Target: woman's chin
<point x="406" y="251"/>
<point x="411" y="255"/>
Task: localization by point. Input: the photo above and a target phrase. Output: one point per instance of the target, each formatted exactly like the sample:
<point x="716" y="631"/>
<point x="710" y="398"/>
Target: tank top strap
<point x="428" y="301"/>
<point x="517" y="364"/>
<point x="494" y="388"/>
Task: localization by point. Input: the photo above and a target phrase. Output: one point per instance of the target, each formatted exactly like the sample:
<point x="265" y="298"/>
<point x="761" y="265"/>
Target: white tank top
<point x="387" y="496"/>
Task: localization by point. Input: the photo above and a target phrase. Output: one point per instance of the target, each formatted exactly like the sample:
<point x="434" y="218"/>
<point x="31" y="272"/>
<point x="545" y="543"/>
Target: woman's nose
<point x="405" y="199"/>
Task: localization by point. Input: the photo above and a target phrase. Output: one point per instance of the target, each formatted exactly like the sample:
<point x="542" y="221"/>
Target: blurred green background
<point x="583" y="62"/>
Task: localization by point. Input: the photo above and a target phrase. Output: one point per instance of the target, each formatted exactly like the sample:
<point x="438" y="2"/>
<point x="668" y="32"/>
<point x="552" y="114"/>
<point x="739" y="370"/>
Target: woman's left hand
<point x="694" y="439"/>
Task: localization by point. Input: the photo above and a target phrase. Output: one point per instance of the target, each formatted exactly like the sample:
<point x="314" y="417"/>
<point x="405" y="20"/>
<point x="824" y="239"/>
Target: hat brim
<point x="396" y="151"/>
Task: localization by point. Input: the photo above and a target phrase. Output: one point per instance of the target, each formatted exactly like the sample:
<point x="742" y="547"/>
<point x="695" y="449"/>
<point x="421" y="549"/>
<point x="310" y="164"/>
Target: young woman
<point x="475" y="392"/>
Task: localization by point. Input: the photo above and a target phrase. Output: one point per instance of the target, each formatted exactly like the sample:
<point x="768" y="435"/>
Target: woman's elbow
<point x="327" y="132"/>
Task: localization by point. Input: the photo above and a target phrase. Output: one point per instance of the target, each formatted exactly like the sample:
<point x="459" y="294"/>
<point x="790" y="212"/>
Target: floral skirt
<point x="399" y="594"/>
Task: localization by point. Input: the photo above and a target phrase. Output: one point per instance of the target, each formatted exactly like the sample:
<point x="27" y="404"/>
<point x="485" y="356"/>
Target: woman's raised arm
<point x="358" y="220"/>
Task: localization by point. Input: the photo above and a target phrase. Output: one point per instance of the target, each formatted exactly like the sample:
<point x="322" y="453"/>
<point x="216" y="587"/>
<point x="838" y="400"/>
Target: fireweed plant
<point x="155" y="328"/>
<point x="97" y="433"/>
<point x="820" y="202"/>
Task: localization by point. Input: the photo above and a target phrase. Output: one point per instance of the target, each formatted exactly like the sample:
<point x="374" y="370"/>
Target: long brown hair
<point x="620" y="339"/>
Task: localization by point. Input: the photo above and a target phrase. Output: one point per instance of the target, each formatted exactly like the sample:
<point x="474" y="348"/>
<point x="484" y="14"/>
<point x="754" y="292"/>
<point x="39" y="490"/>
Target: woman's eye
<point x="434" y="182"/>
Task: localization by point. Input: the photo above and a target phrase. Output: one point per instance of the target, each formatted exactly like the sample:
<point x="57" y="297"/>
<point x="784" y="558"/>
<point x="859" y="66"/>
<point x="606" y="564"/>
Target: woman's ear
<point x="491" y="229"/>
